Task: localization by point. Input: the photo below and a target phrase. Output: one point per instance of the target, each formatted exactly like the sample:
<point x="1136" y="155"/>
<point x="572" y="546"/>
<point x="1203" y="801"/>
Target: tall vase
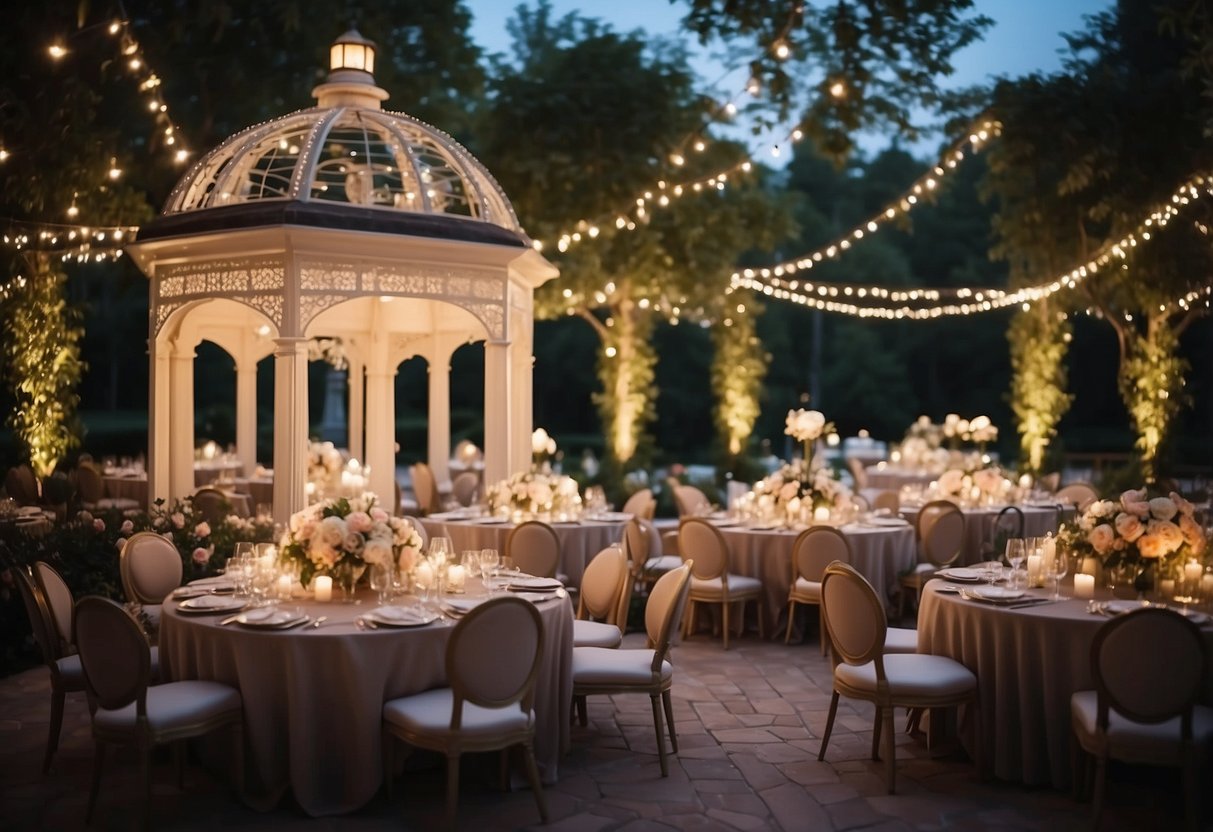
<point x="808" y="455"/>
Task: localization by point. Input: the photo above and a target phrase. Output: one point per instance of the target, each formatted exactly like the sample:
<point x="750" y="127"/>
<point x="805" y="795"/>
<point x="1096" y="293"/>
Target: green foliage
<point x="42" y="364"/>
<point x="1039" y="339"/>
<point x="1151" y="383"/>
<point x="739" y="365"/>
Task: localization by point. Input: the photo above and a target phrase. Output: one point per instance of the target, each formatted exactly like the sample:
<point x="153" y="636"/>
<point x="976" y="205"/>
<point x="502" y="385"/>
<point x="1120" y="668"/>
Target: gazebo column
<point x="159" y="433"/>
<point x="381" y="427"/>
<point x="439" y="425"/>
<point x="499" y="461"/>
<point x="354" y="419"/>
<point x="246" y="413"/>
<point x="290" y="426"/>
<point x="181" y="419"/>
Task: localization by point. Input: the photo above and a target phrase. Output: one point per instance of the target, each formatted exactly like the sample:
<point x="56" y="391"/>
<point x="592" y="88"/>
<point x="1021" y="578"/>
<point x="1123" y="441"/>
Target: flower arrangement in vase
<point x="534" y="493"/>
<point x="806" y="427"/>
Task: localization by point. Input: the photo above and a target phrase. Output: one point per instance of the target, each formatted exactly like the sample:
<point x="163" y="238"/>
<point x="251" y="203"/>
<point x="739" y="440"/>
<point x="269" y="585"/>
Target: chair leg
<point x="532" y="775"/>
<point x="665" y="768"/>
<point x="724" y="614"/>
<point x="787" y="639"/>
<point x="389" y="763"/>
<point x="825" y="738"/>
<point x="582" y="717"/>
<point x="503" y="770"/>
<point x="238" y="762"/>
<point x="1190" y="803"/>
<point x="823" y="635"/>
<point x="901" y="602"/>
<point x="890" y="739"/>
<point x="688" y="616"/>
<point x="876" y="728"/>
<point x="668" y="704"/>
<point x="98" y="765"/>
<point x="762" y="630"/>
<point x="52" y="737"/>
<point x="452" y="788"/>
<point x="145" y="775"/>
<point x="1101" y="766"/>
<point x="179" y="763"/>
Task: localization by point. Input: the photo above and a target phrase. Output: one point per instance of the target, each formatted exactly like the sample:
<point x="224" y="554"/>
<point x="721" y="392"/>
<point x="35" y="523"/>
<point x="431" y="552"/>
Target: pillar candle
<point x="1192" y="573"/>
<point x="1206" y="585"/>
<point x="1166" y="587"/>
<point x="1084" y="586"/>
<point x="284" y="586"/>
<point x="423" y="575"/>
<point x="323" y="586"/>
<point x="1048" y="551"/>
<point x="821" y="514"/>
<point x="455" y="577"/>
<point x="1035" y="570"/>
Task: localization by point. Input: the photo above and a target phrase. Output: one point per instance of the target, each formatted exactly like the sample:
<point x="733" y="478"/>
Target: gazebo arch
<point x="341" y="218"/>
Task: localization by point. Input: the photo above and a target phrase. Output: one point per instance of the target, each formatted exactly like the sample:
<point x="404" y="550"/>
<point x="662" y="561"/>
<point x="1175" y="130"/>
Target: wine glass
<point x="470" y="559"/>
<point x="1015" y="555"/>
<point x="241" y="549"/>
<point x="381" y="581"/>
<point x="991" y="570"/>
<point x="1055" y="570"/>
<point x="488" y="566"/>
<point x="440" y="550"/>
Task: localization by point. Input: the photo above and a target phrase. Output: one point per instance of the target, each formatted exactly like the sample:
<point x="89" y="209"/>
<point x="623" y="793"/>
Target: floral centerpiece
<point x="534" y="493"/>
<point x="982" y="483"/>
<point x="331" y="473"/>
<point x="341" y="537"/>
<point x="1136" y="531"/>
<point x="807" y="426"/>
<point x="978" y="430"/>
<point x="793" y="492"/>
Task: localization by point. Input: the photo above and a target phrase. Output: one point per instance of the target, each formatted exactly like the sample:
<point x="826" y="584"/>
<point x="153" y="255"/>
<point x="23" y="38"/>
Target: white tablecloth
<point x="979" y="526"/>
<point x="579" y="542"/>
<point x="892" y="478"/>
<point x="880" y="553"/>
<point x="313" y="699"/>
<point x="1028" y="662"/>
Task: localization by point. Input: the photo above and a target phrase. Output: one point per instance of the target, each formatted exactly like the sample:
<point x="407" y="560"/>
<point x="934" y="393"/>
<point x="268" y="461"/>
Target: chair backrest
<point x="535" y="548"/>
<point x="858" y="471"/>
<point x="1050" y="482"/>
<point x="887" y="499"/>
<point x="942" y="535"/>
<point x="113" y="653"/>
<point x="58" y="599"/>
<point x="602" y="582"/>
<point x="815" y="549"/>
<point x="212" y="504"/>
<point x="39" y="616"/>
<point x="641" y="504"/>
<point x="1080" y="494"/>
<point x="150" y="566"/>
<point x="464" y="488"/>
<point x="425" y="488"/>
<point x="88" y="483"/>
<point x="702" y="542"/>
<point x="637" y="543"/>
<point x="855" y="616"/>
<point x="691" y="502"/>
<point x="21" y="485"/>
<point x="419" y="527"/>
<point x="1008" y="525"/>
<point x="664" y="607"/>
<point x="1149" y="665"/>
<point x="490" y="671"/>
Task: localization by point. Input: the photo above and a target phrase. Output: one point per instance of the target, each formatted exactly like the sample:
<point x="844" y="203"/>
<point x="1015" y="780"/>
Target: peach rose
<point x="950" y="481"/>
<point x="201" y="555"/>
<point x="1161" y="508"/>
<point x="1185" y="508"/>
<point x="1129" y="526"/>
<point x="1101" y="538"/>
<point x="1193" y="534"/>
<point x="1151" y="546"/>
<point x="127" y="527"/>
<point x="408" y="559"/>
<point x="378" y="515"/>
<point x="1135" y="503"/>
<point x="98" y="525"/>
<point x="1171" y="536"/>
<point x="788" y="491"/>
<point x="203" y="529"/>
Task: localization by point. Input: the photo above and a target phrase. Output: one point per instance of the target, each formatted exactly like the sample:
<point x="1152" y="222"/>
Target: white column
<point x="439" y="426"/>
<point x="498" y="414"/>
<point x="181" y="415"/>
<point x="246" y="413"/>
<point x="159" y="431"/>
<point x="290" y="426"/>
<point x="355" y="417"/>
<point x="381" y="428"/>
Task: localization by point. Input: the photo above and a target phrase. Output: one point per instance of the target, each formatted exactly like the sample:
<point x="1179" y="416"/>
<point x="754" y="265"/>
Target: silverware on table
<point x="315" y="625"/>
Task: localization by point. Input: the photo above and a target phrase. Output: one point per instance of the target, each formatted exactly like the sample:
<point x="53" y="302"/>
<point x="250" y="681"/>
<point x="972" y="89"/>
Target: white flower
<point x="332" y="531"/>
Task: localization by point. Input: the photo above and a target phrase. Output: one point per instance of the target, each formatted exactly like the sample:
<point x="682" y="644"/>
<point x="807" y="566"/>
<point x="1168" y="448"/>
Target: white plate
<point x="888" y="521"/>
<point x="723" y="522"/>
<point x="763" y="527"/>
<point x="961" y="573"/>
<point x="519" y="582"/>
<point x="947" y="588"/>
<point x="462" y="606"/>
<point x="487" y="521"/>
<point x="272" y="618"/>
<point x="613" y="517"/>
<point x="538" y="597"/>
<point x="402" y="616"/>
<point x="998" y="594"/>
<point x="211" y="604"/>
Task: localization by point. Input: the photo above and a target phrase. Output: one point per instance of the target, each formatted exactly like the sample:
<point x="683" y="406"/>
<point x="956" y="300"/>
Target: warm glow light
<point x="56" y="50"/>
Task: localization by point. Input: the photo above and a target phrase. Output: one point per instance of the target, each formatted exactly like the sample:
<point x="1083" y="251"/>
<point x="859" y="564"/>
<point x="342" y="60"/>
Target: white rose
<point x="332" y="531"/>
<point x="1162" y="508"/>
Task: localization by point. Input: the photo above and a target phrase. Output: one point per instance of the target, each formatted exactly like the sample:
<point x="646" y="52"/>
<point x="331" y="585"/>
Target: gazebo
<point x="351" y="223"/>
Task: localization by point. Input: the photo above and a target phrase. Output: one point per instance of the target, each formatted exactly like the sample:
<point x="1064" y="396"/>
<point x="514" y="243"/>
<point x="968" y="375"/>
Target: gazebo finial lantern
<point x="351" y="222"/>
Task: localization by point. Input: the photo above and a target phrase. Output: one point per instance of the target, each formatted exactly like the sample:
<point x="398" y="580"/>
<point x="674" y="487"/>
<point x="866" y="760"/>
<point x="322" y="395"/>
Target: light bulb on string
<point x="57" y="51"/>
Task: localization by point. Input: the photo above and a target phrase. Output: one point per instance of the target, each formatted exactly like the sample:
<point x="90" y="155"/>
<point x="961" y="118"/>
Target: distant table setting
<point x="1038" y="520"/>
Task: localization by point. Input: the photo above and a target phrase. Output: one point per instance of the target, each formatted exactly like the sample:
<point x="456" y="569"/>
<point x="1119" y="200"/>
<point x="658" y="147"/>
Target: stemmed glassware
<point x="1015" y="555"/>
<point x="381" y="581"/>
<point x="1055" y="570"/>
<point x="488" y="567"/>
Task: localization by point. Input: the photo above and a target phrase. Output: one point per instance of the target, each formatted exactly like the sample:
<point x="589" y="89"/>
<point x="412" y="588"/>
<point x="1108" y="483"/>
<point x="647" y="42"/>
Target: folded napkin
<point x="461" y="606"/>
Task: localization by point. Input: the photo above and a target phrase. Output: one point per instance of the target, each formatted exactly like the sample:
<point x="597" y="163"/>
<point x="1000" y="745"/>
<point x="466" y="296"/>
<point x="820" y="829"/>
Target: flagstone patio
<point x="749" y="725"/>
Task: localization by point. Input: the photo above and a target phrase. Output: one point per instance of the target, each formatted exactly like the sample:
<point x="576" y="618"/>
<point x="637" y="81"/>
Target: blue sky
<point x="1025" y="37"/>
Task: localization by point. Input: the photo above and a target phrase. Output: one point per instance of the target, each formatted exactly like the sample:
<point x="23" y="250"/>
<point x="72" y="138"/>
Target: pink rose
<point x="1129" y="526"/>
<point x="98" y="525"/>
<point x="1185" y="508"/>
<point x="1193" y="534"/>
<point x="1101" y="538"/>
<point x="158" y="522"/>
<point x="359" y="521"/>
<point x="788" y="491"/>
<point x="86" y="517"/>
<point x="951" y="480"/>
<point x="203" y="529"/>
<point x="119" y="543"/>
<point x="1135" y="503"/>
<point x="178" y="519"/>
<point x="408" y="559"/>
<point x="201" y="556"/>
<point x="379" y="515"/>
<point x="127" y="527"/>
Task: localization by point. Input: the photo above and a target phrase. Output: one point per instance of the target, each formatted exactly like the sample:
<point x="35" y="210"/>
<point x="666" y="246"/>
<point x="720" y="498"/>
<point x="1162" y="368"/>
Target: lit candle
<point x="1084" y="586"/>
<point x="284" y="586"/>
<point x="1090" y="565"/>
<point x="1192" y="573"/>
<point x="821" y="514"/>
<point x="1166" y="587"/>
<point x="1206" y="585"/>
<point x="423" y="575"/>
<point x="323" y="586"/>
<point x="1035" y="570"/>
<point x="455" y="577"/>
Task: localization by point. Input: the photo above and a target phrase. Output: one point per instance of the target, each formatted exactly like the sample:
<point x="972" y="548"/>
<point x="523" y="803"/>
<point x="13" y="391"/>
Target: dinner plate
<point x="211" y="604"/>
<point x="566" y="522"/>
<point x="961" y="573"/>
<point x="723" y="522"/>
<point x="613" y="517"/>
<point x="888" y="521"/>
<point x="763" y="527"/>
<point x="525" y="584"/>
<point x="487" y="521"/>
<point x="537" y="597"/>
<point x="996" y="594"/>
<point x="29" y="511"/>
<point x="402" y="616"/>
<point x="461" y="606"/>
<point x="272" y="618"/>
<point x="948" y="588"/>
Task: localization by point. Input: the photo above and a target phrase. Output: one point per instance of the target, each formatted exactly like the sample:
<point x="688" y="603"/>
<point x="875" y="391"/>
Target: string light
<point x="57" y="51"/>
<point x="919" y="304"/>
<point x="82" y="243"/>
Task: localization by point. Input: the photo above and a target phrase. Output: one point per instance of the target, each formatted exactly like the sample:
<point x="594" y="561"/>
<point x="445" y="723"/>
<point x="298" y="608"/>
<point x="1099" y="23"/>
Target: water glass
<point x="1015" y="555"/>
<point x="470" y="560"/>
<point x="381" y="581"/>
<point x="488" y="567"/>
<point x="440" y="550"/>
<point x="1055" y="570"/>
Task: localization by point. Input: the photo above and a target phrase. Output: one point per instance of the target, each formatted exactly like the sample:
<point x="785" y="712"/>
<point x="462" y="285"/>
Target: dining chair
<point x="127" y="710"/>
<point x="91" y="490"/>
<point x="1008" y="525"/>
<point x="711" y="582"/>
<point x="940" y="531"/>
<point x="690" y="501"/>
<point x="1050" y="482"/>
<point x="66" y="674"/>
<point x="464" y="488"/>
<point x="641" y="504"/>
<point x="1078" y="494"/>
<point x="815" y="549"/>
<point x="488" y="704"/>
<point x="600" y="671"/>
<point x="212" y="504"/>
<point x="856" y="621"/>
<point x="150" y="567"/>
<point x="888" y="500"/>
<point x="1144" y="707"/>
<point x="534" y="548"/>
<point x="425" y="489"/>
<point x="604" y="580"/>
<point x="858" y="472"/>
<point x="21" y="484"/>
<point x="639" y="536"/>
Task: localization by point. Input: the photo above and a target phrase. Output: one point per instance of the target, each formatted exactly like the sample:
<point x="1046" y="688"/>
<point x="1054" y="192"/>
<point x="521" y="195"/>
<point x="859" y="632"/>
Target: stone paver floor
<point x="749" y="725"/>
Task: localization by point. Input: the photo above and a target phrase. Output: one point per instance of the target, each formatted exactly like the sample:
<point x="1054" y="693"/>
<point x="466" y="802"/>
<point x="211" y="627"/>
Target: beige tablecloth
<point x="892" y="478"/>
<point x="134" y="487"/>
<point x="579" y="542"/>
<point x="313" y="698"/>
<point x="879" y="553"/>
<point x="207" y="472"/>
<point x="979" y="526"/>
<point x="1028" y="662"/>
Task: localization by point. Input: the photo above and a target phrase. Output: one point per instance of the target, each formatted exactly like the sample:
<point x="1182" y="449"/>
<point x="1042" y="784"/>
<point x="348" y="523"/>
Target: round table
<point x="892" y="478"/>
<point x="579" y="540"/>
<point x="1028" y="661"/>
<point x="313" y="698"/>
<point x="879" y="552"/>
<point x="979" y="526"/>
